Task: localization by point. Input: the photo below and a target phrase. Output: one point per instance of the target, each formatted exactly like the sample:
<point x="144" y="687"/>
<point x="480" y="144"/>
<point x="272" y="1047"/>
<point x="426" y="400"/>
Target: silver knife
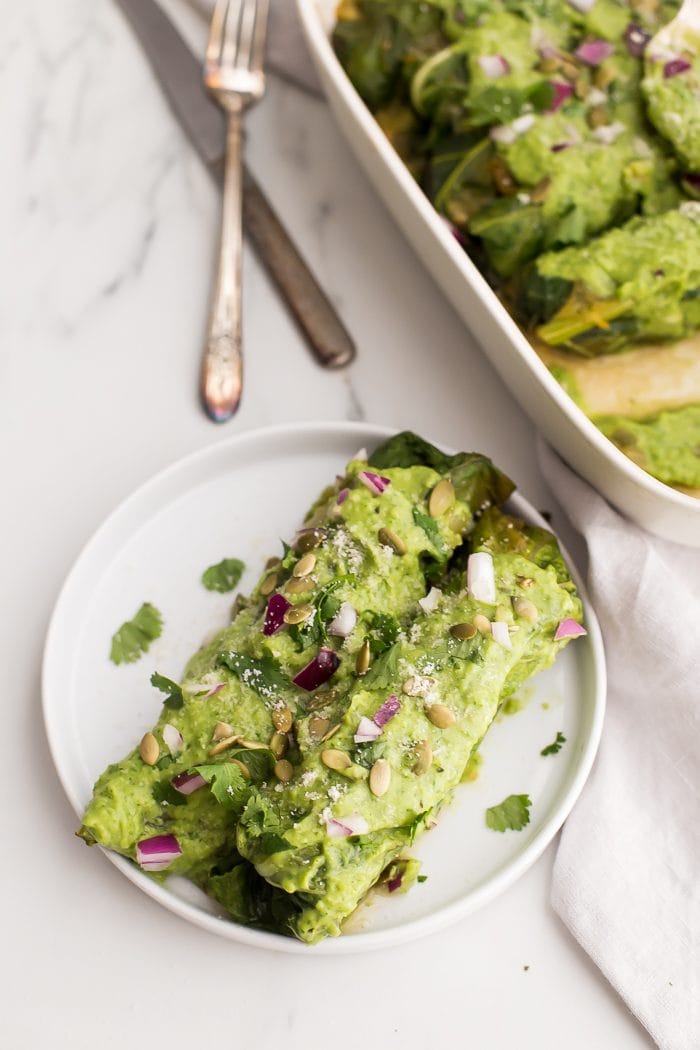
<point x="180" y="75"/>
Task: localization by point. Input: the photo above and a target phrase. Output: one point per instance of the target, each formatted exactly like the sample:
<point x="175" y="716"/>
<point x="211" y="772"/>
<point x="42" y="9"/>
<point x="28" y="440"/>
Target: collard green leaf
<point x="224" y="576"/>
<point x="134" y="637"/>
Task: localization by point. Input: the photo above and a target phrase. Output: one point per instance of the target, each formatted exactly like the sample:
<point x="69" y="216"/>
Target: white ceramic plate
<point x="649" y="502"/>
<point x="236" y="499"/>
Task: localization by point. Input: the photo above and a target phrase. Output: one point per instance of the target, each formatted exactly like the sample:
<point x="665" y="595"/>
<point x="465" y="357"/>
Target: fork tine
<point x="216" y="33"/>
<point x="230" y="47"/>
<point x="245" y="39"/>
<point x="258" y="55"/>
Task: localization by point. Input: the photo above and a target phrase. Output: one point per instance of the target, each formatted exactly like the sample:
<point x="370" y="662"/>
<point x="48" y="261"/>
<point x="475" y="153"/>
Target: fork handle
<point x="222" y="363"/>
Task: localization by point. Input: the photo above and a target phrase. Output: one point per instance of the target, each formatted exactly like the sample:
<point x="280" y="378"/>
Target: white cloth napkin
<point x="286" y="50"/>
<point x="627" y="874"/>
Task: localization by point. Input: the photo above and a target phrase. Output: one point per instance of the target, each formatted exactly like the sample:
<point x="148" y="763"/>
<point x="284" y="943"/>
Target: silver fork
<point x="233" y="73"/>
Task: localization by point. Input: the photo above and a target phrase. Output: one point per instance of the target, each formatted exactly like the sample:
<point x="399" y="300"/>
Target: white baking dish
<point x="645" y="500"/>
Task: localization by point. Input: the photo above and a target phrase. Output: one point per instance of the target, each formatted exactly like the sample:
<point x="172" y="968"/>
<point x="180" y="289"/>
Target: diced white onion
<point x="501" y="634"/>
<point x="430" y="602"/>
<point x="481" y="582"/>
<point x="344" y="621"/>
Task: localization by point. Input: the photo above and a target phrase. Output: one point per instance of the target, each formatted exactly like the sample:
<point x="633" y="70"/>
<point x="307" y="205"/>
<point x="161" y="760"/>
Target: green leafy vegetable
<point x="164" y="793"/>
<point x="383" y="673"/>
<point x="224" y="576"/>
<point x="262" y="823"/>
<point x="421" y="878"/>
<point x="367" y="754"/>
<point x="227" y="782"/>
<point x="173" y="698"/>
<point x="383" y="631"/>
<point x="555" y="747"/>
<point x="134" y="637"/>
<point x="513" y="813"/>
<point x="263" y="676"/>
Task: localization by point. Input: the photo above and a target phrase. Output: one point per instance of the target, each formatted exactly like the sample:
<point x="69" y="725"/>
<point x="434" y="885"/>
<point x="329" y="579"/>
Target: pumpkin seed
<point x="149" y="749"/>
<point x="482" y="623"/>
<point x="463" y="631"/>
<point x="252" y="745"/>
<point x="363" y="658"/>
<point x="222" y="729"/>
<point x="284" y="770"/>
<point x="282" y="719"/>
<point x="310" y="538"/>
<point x="298" y="614"/>
<point x="242" y="766"/>
<point x="388" y="538"/>
<point x="380" y="777"/>
<point x="305" y="565"/>
<point x="223" y="745"/>
<point x="441" y="716"/>
<point x="525" y="582"/>
<point x="597" y="117"/>
<point x="331" y="732"/>
<point x="299" y="585"/>
<point x="314" y="703"/>
<point x="539" y="193"/>
<point x="278" y="744"/>
<point x="441" y="498"/>
<point x="336" y="760"/>
<point x="271" y="563"/>
<point x="268" y="585"/>
<point x="525" y="608"/>
<point x="424" y="757"/>
<point x="318" y="726"/>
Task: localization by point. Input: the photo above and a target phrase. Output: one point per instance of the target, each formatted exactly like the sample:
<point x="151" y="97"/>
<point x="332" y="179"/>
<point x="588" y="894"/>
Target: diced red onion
<point x="430" y="602"/>
<point x="317" y="671"/>
<point x="636" y="39"/>
<point x="390" y="707"/>
<point x="559" y="146"/>
<point x="374" y="482"/>
<point x="173" y="738"/>
<point x="593" y="52"/>
<point x="569" y="628"/>
<point x="501" y="634"/>
<point x="187" y="783"/>
<point x="157" y="853"/>
<point x="353" y="824"/>
<point x="277" y="606"/>
<point x="203" y="689"/>
<point x="583" y="6"/>
<point x="691" y="185"/>
<point x="676" y="66"/>
<point x="366" y="730"/>
<point x="561" y="90"/>
<point x="395" y="883"/>
<point x="481" y="582"/>
<point x="494" y="66"/>
<point x="342" y="496"/>
<point x="344" y="621"/>
<point x="455" y="231"/>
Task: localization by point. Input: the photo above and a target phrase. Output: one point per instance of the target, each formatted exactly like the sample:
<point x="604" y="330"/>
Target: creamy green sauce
<point x="667" y="445"/>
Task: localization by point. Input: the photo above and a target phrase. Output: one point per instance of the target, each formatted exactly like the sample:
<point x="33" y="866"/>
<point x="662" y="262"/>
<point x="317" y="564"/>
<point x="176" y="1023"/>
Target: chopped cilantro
<point x="432" y="530"/>
<point x="289" y="557"/>
<point x="227" y="783"/>
<point x="224" y="576"/>
<point x="513" y="813"/>
<point x="174" y="698"/>
<point x="367" y="754"/>
<point x="555" y="747"/>
<point x="263" y="676"/>
<point x="383" y="631"/>
<point x="263" y="824"/>
<point x="134" y="637"/>
<point x="164" y="793"/>
<point x="383" y="673"/>
<point x="421" y="878"/>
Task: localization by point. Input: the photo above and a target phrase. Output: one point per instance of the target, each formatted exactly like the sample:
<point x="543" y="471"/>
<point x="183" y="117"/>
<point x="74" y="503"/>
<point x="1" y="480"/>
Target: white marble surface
<point x="108" y="235"/>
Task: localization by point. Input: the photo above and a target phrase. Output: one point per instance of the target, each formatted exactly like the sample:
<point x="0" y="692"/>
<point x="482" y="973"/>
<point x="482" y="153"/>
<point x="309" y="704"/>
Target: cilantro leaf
<point x="383" y="631"/>
<point x="174" y="698"/>
<point x="432" y="530"/>
<point x="262" y="823"/>
<point x="224" y="576"/>
<point x="513" y="813"/>
<point x="260" y="761"/>
<point x="555" y="747"/>
<point x="227" y="783"/>
<point x="367" y="754"/>
<point x="383" y="673"/>
<point x="164" y="793"/>
<point x="134" y="637"/>
<point x="289" y="558"/>
<point x="421" y="878"/>
<point x="263" y="676"/>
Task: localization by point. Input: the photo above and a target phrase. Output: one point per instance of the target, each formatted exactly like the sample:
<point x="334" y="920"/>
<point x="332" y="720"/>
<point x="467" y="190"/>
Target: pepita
<point x="298" y="614"/>
<point x="272" y="563"/>
<point x="441" y="498"/>
<point x="223" y="745"/>
<point x="526" y="609"/>
<point x="282" y="719"/>
<point x="279" y="744"/>
<point x="309" y="539"/>
<point x="222" y="729"/>
<point x="463" y="631"/>
<point x="424" y="757"/>
<point x="482" y="623"/>
<point x="336" y="760"/>
<point x="539" y="193"/>
<point x="318" y="726"/>
<point x="330" y="732"/>
<point x="388" y="538"/>
<point x="268" y="585"/>
<point x="380" y="777"/>
<point x="441" y="716"/>
<point x="363" y="658"/>
<point x="525" y="582"/>
<point x="148" y="749"/>
<point x="314" y="703"/>
<point x="284" y="770"/>
<point x="242" y="766"/>
<point x="252" y="745"/>
<point x="305" y="565"/>
<point x="299" y="585"/>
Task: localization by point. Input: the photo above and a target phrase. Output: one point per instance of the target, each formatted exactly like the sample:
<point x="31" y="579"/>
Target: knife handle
<point x="315" y="315"/>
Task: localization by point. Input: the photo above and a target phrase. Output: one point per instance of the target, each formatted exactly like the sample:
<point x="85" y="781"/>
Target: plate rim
<point x="323" y="54"/>
<point x="360" y="942"/>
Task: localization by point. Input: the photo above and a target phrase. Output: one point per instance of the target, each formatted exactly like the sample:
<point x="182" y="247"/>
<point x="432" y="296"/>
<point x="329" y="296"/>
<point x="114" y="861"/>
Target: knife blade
<point x="180" y="75"/>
